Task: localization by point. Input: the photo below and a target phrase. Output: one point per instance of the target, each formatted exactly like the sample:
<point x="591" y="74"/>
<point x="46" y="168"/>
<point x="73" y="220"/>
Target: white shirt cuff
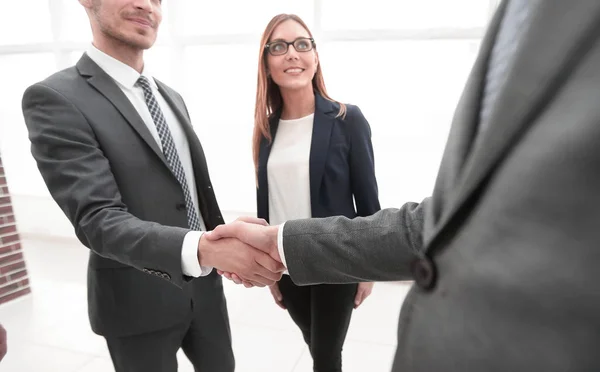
<point x="280" y="245"/>
<point x="189" y="256"/>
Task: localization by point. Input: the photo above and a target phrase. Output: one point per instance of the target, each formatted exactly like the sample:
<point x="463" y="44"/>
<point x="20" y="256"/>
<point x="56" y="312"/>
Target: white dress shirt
<point x="288" y="172"/>
<point x="126" y="78"/>
<point x="280" y="244"/>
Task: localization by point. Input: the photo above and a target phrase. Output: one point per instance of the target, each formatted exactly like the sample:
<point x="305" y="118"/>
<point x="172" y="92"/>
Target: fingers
<point x="246" y="282"/>
<point x="231" y="276"/>
<point x="259" y="277"/>
<point x="358" y="299"/>
<point x="251" y="266"/>
<point x="277" y="296"/>
<point x="254" y="220"/>
<point x="237" y="280"/>
<point x="269" y="263"/>
<point x="262" y="270"/>
<point x="363" y="291"/>
<point x="268" y="268"/>
<point x="214" y="234"/>
<point x="263" y="238"/>
<point x="221" y="231"/>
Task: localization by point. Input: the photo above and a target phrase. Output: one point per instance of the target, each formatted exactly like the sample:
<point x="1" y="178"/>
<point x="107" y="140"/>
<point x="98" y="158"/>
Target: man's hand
<point x="363" y="291"/>
<point x="255" y="220"/>
<point x="253" y="232"/>
<point x="258" y="236"/>
<point x="231" y="255"/>
<point x="3" y="342"/>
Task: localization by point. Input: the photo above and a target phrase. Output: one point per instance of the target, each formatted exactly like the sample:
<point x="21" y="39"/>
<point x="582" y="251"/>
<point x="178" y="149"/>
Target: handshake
<point x="244" y="251"/>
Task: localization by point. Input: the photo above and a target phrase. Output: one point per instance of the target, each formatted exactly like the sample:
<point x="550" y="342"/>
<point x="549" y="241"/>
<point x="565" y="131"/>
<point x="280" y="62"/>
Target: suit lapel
<point x="542" y="63"/>
<point x="180" y="111"/>
<point x="321" y="134"/>
<point x="109" y="89"/>
<point x="196" y="152"/>
<point x="464" y="124"/>
<point x="176" y="105"/>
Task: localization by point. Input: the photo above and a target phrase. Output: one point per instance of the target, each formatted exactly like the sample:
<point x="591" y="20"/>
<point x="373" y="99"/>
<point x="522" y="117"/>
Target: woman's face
<point x="293" y="69"/>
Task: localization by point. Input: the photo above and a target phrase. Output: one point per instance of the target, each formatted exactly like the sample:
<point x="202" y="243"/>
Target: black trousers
<point x="322" y="312"/>
<point x="205" y="338"/>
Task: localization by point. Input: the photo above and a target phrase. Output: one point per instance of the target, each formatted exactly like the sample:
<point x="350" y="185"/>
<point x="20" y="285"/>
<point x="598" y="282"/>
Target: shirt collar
<point x="123" y="74"/>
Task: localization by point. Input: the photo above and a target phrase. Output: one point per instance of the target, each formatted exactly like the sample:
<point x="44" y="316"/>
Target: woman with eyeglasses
<point x="313" y="158"/>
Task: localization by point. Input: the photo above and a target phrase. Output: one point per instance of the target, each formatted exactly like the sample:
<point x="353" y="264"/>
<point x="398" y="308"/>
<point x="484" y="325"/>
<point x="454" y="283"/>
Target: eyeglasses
<point x="280" y="47"/>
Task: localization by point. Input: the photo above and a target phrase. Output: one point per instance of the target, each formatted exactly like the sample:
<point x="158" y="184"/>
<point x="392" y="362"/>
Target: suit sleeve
<point x="80" y="180"/>
<point x="338" y="250"/>
<point x="362" y="164"/>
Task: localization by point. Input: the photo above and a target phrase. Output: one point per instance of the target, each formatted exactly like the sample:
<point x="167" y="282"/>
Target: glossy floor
<point x="49" y="330"/>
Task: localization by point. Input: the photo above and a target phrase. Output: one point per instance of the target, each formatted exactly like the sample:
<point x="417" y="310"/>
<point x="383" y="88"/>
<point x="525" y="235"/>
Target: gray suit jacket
<point x="111" y="179"/>
<point x="505" y="253"/>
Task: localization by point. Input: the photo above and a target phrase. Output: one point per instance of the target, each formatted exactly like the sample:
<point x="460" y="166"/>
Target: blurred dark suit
<point x="505" y="253"/>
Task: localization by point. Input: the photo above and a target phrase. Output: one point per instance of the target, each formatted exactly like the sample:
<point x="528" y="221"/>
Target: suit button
<point x="180" y="206"/>
<point x="209" y="187"/>
<point x="424" y="272"/>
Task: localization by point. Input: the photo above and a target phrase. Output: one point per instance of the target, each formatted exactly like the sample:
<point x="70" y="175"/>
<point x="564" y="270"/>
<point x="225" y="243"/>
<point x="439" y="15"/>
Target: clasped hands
<point x="245" y="251"/>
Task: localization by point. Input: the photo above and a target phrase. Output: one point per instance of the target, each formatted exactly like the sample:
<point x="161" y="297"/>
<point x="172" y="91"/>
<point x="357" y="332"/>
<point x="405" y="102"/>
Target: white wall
<point x="403" y="62"/>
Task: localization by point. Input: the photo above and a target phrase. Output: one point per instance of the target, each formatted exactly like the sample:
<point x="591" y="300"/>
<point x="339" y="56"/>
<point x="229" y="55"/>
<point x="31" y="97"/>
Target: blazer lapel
<point x="464" y="124"/>
<point x="107" y="87"/>
<point x="542" y="63"/>
<point x="262" y="176"/>
<point x="321" y="134"/>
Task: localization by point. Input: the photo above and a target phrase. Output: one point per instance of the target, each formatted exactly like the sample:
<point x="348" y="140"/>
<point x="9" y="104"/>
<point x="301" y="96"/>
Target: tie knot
<point x="144" y="83"/>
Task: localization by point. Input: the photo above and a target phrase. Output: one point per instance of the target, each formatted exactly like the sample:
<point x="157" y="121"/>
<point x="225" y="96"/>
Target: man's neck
<point x="130" y="56"/>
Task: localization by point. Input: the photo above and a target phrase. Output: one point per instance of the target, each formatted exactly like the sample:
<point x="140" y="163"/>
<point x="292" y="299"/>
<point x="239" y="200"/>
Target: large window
<point x="403" y="14"/>
<point x="403" y="62"/>
<point x="234" y="17"/>
<point x="21" y="23"/>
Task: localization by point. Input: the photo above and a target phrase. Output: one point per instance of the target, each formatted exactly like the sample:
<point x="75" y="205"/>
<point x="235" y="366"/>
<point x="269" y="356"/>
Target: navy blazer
<point x="341" y="164"/>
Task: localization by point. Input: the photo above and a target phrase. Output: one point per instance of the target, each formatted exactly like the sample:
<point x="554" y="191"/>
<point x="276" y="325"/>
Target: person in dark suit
<point x="120" y="157"/>
<point x="313" y="158"/>
<point x="504" y="254"/>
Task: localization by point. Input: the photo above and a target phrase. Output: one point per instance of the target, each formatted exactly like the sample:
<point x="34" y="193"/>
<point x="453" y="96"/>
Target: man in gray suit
<point x="505" y="253"/>
<point x="120" y="157"/>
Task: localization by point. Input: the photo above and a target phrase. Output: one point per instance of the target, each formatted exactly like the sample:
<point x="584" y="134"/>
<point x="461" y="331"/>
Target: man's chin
<point x="133" y="40"/>
<point x="141" y="44"/>
<point x="142" y="41"/>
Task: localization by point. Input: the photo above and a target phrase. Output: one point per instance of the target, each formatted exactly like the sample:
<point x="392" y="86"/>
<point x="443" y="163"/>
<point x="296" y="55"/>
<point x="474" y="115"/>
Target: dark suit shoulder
<point x="66" y="82"/>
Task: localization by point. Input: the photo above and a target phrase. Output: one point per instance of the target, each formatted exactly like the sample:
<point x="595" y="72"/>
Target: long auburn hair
<point x="268" y="96"/>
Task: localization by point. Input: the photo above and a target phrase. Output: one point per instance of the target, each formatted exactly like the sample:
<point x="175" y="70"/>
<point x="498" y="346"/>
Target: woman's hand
<point x="364" y="290"/>
<point x="277" y="296"/>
